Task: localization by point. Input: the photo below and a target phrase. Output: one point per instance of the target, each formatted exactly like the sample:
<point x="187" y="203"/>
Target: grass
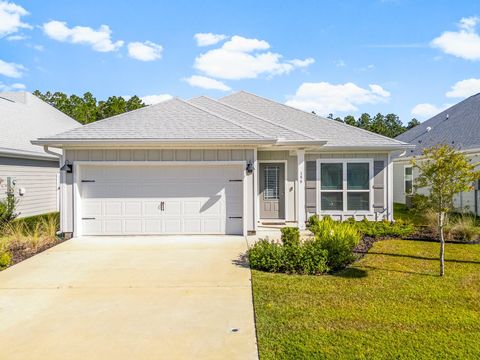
<point x="389" y="305"/>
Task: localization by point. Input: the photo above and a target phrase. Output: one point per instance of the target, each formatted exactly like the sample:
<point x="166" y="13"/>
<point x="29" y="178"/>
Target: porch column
<point x="300" y="208"/>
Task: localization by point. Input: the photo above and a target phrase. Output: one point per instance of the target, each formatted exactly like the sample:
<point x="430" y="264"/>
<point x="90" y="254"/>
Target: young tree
<point x="445" y="172"/>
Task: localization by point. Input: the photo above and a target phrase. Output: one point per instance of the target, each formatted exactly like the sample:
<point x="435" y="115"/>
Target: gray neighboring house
<point x="458" y="126"/>
<point x="227" y="166"/>
<point x="26" y="168"/>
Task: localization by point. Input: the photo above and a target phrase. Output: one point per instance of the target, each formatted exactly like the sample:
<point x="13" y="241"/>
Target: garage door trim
<point x="77" y="165"/>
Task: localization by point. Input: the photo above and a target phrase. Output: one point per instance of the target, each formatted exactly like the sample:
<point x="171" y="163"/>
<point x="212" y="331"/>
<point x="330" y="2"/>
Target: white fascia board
<point x="59" y="143"/>
<point x="24" y="154"/>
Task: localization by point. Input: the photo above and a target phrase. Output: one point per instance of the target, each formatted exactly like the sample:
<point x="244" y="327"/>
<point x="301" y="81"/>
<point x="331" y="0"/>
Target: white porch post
<point x="301" y="189"/>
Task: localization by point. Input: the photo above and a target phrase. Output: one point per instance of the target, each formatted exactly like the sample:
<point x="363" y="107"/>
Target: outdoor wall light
<point x="67" y="167"/>
<point x="249" y="168"/>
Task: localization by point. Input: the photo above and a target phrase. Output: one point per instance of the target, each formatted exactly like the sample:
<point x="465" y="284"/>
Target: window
<point x="345" y="185"/>
<point x="408" y="180"/>
<point x="271" y="183"/>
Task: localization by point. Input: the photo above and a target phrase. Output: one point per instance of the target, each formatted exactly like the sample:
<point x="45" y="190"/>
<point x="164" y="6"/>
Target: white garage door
<point x="165" y="199"/>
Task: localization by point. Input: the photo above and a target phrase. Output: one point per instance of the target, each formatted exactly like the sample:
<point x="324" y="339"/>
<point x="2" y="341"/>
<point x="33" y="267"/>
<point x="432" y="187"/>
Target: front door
<point x="272" y="191"/>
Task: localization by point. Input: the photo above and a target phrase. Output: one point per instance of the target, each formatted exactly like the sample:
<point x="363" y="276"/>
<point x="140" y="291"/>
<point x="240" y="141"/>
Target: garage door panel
<point x="92" y="208"/>
<point x="113" y="226"/>
<point x="133" y="226"/>
<point x="112" y="208"/>
<point x="162" y="199"/>
<point x="133" y="208"/>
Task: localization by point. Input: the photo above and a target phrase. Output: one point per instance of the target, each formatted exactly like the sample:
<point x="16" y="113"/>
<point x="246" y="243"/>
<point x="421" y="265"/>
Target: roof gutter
<point x="24" y="154"/>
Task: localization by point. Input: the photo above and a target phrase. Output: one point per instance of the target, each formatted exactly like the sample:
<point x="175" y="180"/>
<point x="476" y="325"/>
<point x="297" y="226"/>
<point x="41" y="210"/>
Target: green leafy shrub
<point x="384" y="228"/>
<point x="290" y="256"/>
<point x="266" y="256"/>
<point x="7" y="209"/>
<point x="5" y="259"/>
<point x="337" y="238"/>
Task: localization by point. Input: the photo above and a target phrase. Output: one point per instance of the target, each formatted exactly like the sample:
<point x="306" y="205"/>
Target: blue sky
<point x="412" y="58"/>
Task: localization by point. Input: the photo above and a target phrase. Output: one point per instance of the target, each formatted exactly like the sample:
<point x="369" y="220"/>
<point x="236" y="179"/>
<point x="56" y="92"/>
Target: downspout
<point x="63" y="180"/>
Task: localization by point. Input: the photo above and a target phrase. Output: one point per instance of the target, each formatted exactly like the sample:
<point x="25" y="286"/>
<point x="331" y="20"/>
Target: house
<point x="25" y="168"/>
<point x="222" y="166"/>
<point x="458" y="126"/>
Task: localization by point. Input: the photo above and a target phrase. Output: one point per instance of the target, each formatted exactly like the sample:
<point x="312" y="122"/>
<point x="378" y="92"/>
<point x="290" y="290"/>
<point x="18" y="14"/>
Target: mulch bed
<point x="21" y="253"/>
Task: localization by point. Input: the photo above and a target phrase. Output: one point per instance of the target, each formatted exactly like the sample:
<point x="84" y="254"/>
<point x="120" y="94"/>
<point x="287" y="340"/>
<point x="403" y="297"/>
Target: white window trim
<point x="405" y="180"/>
<point x="344" y="190"/>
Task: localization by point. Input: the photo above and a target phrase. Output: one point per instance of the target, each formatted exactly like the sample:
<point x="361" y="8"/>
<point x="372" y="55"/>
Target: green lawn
<point x="389" y="305"/>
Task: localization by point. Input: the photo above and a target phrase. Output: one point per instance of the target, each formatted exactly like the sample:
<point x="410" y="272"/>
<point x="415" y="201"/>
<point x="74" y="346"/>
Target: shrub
<point x="5" y="259"/>
<point x="384" y="228"/>
<point x="7" y="209"/>
<point x="266" y="256"/>
<point x="337" y="238"/>
<point x="290" y="236"/>
<point x="290" y="256"/>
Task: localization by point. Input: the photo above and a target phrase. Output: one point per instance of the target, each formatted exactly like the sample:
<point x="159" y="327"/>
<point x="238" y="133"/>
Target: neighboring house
<point x="458" y="126"/>
<point x="25" y="168"/>
<point x="219" y="167"/>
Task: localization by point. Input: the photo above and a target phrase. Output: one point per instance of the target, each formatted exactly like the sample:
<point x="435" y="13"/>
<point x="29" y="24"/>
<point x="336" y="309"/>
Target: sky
<point x="411" y="58"/>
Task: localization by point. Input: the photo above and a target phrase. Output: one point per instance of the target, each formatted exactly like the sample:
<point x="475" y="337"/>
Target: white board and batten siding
<point x="160" y="191"/>
<point x="39" y="179"/>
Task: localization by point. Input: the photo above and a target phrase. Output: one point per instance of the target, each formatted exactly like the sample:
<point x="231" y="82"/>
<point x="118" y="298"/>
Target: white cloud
<point x="464" y="43"/>
<point x="242" y="58"/>
<point x="146" y="51"/>
<point x="17" y="37"/>
<point x="12" y="87"/>
<point x="155" y="99"/>
<point x="340" y="63"/>
<point x="464" y="88"/>
<point x="100" y="40"/>
<point x="325" y="98"/>
<point x="206" y="39"/>
<point x="11" y="69"/>
<point x="11" y="18"/>
<point x="426" y="110"/>
<point x="207" y="83"/>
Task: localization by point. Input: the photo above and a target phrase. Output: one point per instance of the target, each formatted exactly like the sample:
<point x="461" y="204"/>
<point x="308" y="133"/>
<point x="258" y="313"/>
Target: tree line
<point x="388" y="125"/>
<point x="87" y="109"/>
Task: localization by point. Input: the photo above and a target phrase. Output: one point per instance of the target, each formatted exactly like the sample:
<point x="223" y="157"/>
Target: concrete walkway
<point x="130" y="298"/>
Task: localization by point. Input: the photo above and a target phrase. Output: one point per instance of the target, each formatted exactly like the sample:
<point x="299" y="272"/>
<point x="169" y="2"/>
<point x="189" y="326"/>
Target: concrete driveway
<point x="178" y="297"/>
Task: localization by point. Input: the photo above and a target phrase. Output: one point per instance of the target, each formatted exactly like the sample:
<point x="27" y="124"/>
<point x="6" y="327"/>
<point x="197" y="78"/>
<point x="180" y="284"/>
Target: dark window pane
<point x="358" y="201"/>
<point x="332" y="176"/>
<point x="271" y="183"/>
<point x="358" y="176"/>
<point x="408" y="187"/>
<point x="408" y="170"/>
<point x="332" y="201"/>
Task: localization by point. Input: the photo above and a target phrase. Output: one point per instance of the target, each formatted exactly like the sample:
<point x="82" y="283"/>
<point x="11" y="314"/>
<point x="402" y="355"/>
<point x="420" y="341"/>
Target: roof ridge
<point x="228" y="120"/>
<point x="316" y="116"/>
<point x="261" y="118"/>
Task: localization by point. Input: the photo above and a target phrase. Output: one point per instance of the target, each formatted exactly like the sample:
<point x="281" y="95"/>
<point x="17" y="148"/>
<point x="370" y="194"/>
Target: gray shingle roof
<point x="338" y="134"/>
<point x="24" y="117"/>
<point x="458" y="126"/>
<point x="170" y="120"/>
<point x="240" y="117"/>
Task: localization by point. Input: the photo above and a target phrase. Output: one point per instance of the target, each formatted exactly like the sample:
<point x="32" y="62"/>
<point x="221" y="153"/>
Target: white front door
<point x="161" y="199"/>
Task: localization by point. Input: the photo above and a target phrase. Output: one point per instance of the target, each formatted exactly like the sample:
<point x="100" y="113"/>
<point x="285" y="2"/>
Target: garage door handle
<point x="235" y="217"/>
<point x="88" y="218"/>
